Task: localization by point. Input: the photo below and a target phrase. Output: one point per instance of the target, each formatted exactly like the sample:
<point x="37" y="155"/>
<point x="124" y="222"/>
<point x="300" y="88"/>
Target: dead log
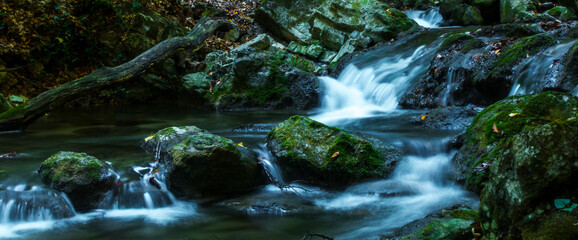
<point x="18" y="118"/>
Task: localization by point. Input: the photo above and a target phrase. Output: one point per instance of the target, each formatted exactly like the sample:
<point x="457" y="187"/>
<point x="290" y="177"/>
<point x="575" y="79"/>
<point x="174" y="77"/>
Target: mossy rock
<point x="273" y="79"/>
<point x="207" y="165"/>
<point x="456" y="225"/>
<point x="84" y="178"/>
<point x="523" y="47"/>
<point x="519" y="154"/>
<point x="510" y="116"/>
<point x="327" y="156"/>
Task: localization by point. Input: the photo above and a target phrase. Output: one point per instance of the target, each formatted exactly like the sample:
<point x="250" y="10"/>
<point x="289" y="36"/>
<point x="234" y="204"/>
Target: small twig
<point x="311" y="235"/>
<point x="11" y="69"/>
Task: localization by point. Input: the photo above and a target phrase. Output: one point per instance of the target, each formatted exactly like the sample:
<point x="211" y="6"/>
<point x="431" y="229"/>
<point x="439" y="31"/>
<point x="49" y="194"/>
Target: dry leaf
<point x="514" y="114"/>
<point x="423" y="117"/>
<point x="336" y="154"/>
<point x="240" y="144"/>
<point x="495" y="128"/>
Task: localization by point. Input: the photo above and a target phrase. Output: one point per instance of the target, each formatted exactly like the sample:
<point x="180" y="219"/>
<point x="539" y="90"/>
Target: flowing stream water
<point x="362" y="99"/>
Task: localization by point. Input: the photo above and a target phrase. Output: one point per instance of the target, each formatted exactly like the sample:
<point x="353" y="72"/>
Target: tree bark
<point x="20" y="117"/>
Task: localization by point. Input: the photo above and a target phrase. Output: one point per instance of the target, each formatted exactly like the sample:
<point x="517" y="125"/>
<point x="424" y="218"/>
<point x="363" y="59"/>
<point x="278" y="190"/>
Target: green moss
<point x="483" y="145"/>
<point x="454" y="39"/>
<point x="327" y="153"/>
<point x="522" y="48"/>
<point x="466" y="214"/>
<point x="69" y="165"/>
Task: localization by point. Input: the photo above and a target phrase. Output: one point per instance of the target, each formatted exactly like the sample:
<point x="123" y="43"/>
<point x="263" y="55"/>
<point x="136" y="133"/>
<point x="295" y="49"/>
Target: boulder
<point x="271" y="79"/>
<point x="327" y="156"/>
<point x="205" y="164"/>
<point x="519" y="154"/>
<point x="332" y="22"/>
<point x="84" y="178"/>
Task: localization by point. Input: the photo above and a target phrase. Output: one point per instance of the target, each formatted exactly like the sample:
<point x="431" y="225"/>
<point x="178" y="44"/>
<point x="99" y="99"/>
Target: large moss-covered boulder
<point x="322" y="155"/>
<point x="205" y="164"/>
<point x="520" y="154"/>
<point x="84" y="178"/>
<point x="262" y="79"/>
<point x="333" y="23"/>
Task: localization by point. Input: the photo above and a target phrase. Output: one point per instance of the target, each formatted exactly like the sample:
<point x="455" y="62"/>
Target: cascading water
<point x="536" y="72"/>
<point x="374" y="89"/>
<point x="420" y="182"/>
<point x="429" y="19"/>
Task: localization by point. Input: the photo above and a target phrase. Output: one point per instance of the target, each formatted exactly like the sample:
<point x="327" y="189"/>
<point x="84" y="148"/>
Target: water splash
<point x="429" y="19"/>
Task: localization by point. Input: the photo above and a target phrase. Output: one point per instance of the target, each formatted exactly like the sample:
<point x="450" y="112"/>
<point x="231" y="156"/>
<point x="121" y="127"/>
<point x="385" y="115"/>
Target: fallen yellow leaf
<point x="495" y="128"/>
<point x="336" y="154"/>
<point x="240" y="144"/>
<point x="423" y="117"/>
<point x="514" y="114"/>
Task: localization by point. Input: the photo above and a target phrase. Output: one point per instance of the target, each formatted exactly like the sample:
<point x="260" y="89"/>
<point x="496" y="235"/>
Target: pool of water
<point x="418" y="186"/>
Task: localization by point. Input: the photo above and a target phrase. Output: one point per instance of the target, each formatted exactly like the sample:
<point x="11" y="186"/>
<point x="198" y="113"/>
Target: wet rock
<point x="84" y="178"/>
<point x="327" y="156"/>
<point x="205" y="164"/>
<point x="458" y="12"/>
<point x="33" y="204"/>
<point x="160" y="143"/>
<point x="470" y="70"/>
<point x="569" y="79"/>
<point x="272" y="79"/>
<point x="449" y="118"/>
<point x="561" y="13"/>
<point x="332" y="23"/>
<point x="453" y="225"/>
<point x="454" y="222"/>
<point x="520" y="155"/>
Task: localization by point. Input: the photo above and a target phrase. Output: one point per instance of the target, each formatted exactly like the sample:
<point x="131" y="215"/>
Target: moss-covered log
<point x="20" y="117"/>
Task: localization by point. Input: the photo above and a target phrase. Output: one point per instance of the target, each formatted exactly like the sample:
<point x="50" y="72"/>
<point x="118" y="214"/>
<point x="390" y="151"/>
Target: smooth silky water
<point x="363" y="99"/>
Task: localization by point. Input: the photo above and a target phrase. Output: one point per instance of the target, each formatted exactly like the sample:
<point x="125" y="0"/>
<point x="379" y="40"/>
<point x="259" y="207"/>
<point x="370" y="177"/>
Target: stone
<point x="84" y="178"/>
<point x="327" y="156"/>
<point x="199" y="82"/>
<point x="205" y="164"/>
<point x="520" y="155"/>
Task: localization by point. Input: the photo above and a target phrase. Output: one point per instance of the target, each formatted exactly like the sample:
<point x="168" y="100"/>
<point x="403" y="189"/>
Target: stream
<point x="362" y="99"/>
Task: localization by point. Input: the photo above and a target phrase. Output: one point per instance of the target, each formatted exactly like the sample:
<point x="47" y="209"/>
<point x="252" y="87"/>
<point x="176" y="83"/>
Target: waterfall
<point x="536" y="72"/>
<point x="429" y="19"/>
<point x="148" y="192"/>
<point x="23" y="203"/>
<point x="269" y="164"/>
<point x="374" y="89"/>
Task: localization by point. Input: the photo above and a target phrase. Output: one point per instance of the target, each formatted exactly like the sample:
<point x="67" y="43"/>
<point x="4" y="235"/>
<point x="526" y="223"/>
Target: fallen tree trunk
<point x="20" y="117"/>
